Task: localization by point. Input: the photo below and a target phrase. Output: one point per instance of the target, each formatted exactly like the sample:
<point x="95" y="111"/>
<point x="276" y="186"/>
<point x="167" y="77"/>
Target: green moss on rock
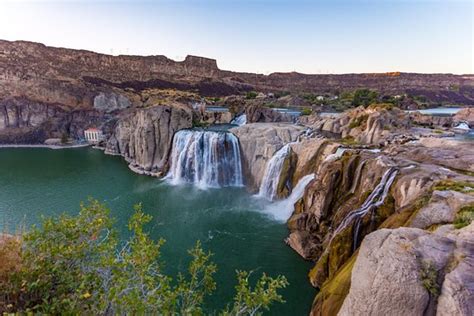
<point x="332" y="294"/>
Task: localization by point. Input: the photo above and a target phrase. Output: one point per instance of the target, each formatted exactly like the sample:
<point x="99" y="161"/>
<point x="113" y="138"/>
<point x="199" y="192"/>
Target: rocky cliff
<point x="423" y="183"/>
<point x="144" y="137"/>
<point x="74" y="77"/>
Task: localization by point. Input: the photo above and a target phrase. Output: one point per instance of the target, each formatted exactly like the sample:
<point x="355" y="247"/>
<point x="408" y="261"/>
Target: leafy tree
<point x="364" y="97"/>
<point x="74" y="265"/>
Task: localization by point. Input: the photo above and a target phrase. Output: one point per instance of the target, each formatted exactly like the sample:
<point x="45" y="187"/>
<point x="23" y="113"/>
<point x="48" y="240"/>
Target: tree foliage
<point x="76" y="265"/>
<point x="364" y="97"/>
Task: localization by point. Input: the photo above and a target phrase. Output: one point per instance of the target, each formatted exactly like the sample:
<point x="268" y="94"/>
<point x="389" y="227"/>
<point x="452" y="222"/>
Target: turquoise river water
<point x="228" y="221"/>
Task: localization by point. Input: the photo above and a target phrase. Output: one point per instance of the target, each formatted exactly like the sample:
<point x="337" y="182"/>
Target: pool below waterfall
<point x="235" y="226"/>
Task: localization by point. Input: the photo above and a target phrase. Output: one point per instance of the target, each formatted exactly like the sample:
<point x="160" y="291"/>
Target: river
<point x="228" y="221"/>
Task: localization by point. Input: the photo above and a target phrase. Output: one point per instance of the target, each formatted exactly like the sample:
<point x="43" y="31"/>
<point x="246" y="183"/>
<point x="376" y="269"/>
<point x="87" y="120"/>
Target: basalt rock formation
<point x="424" y="183"/>
<point x="144" y="137"/>
<point x="259" y="142"/>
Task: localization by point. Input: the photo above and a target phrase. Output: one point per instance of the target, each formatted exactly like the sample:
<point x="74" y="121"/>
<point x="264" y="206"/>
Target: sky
<point x="261" y="36"/>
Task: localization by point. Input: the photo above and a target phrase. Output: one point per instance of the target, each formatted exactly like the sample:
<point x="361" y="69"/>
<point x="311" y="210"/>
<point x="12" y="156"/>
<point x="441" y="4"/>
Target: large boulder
<point x="144" y="137"/>
<point x="402" y="271"/>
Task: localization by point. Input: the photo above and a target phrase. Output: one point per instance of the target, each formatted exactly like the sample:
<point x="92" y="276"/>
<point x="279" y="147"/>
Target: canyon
<point x="382" y="198"/>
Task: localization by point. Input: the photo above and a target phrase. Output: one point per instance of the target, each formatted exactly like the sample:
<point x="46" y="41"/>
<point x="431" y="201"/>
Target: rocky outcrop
<point x="374" y="125"/>
<point x="465" y="115"/>
<point x="258" y="143"/>
<point x="111" y="102"/>
<point x="24" y="121"/>
<point x="433" y="183"/>
<point x="257" y="113"/>
<point x="144" y="137"/>
<point x="402" y="271"/>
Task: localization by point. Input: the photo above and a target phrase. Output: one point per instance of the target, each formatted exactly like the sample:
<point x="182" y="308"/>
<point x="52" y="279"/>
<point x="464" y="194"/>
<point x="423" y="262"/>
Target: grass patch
<point x="349" y="141"/>
<point x="359" y="121"/>
<point x="459" y="186"/>
<point x="464" y="217"/>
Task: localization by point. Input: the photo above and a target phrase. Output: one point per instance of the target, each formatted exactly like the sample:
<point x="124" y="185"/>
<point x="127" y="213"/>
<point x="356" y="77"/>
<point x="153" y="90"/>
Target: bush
<point x="74" y="265"/>
<point x="464" y="216"/>
<point x="429" y="278"/>
<point x="306" y="111"/>
<point x="251" y="95"/>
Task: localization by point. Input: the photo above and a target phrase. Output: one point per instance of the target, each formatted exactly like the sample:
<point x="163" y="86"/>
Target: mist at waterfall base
<point x="282" y="210"/>
<point x="229" y="222"/>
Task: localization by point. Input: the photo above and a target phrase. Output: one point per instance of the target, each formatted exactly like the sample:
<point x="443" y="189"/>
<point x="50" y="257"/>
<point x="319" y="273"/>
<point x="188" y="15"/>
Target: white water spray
<point x="282" y="210"/>
<point x="240" y="120"/>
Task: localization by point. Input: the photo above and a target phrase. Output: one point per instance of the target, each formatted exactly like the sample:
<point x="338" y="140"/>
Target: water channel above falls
<point x="228" y="221"/>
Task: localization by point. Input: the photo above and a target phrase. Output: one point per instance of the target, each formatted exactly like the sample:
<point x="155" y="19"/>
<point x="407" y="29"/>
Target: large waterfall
<point x="206" y="158"/>
<point x="269" y="185"/>
<point x="375" y="199"/>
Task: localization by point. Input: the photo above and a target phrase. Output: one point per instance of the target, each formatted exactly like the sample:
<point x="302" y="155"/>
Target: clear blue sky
<point x="261" y="36"/>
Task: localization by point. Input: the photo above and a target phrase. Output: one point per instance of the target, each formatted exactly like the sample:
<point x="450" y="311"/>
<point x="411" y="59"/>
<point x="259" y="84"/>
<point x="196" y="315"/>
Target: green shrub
<point x="306" y="111"/>
<point x="429" y="278"/>
<point x="464" y="216"/>
<point x="251" y="95"/>
<point x="74" y="265"/>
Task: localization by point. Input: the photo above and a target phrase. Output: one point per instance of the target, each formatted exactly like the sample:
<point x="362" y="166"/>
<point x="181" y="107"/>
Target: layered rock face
<point x="24" y="121"/>
<point x="258" y="143"/>
<point x="144" y="137"/>
<point x="373" y="125"/>
<point x="75" y="76"/>
<point x="326" y="226"/>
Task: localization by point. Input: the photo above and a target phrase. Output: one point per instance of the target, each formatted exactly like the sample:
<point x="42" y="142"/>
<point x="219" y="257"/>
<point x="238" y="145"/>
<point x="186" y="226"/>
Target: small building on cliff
<point x="93" y="135"/>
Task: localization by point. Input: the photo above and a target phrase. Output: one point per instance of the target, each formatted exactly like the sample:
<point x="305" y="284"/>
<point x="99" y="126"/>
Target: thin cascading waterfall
<point x="206" y="158"/>
<point x="271" y="178"/>
<point x="240" y="120"/>
<point x="375" y="200"/>
<point x="282" y="210"/>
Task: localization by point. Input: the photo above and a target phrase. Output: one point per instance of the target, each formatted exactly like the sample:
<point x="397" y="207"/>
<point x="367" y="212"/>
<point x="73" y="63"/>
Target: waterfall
<point x="375" y="199"/>
<point x="240" y="120"/>
<point x="206" y="158"/>
<point x="282" y="210"/>
<point x="269" y="185"/>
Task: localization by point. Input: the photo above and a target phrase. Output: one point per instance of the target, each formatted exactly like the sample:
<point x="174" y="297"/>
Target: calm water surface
<point x="229" y="222"/>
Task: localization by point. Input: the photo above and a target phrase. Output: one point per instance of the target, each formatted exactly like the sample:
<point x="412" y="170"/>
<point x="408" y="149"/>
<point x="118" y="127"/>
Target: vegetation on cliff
<point x="76" y="265"/>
